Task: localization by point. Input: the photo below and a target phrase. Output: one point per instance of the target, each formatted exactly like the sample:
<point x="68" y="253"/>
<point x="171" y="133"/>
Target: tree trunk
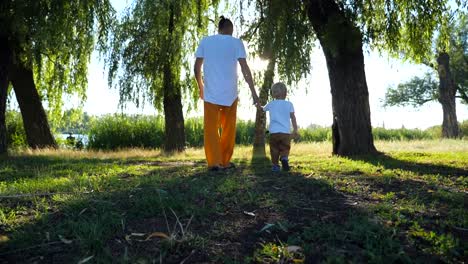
<point x="34" y="117"/>
<point x="5" y="55"/>
<point x="341" y="42"/>
<point x="447" y="92"/>
<point x="172" y="101"/>
<point x="260" y="118"/>
<point x="173" y="116"/>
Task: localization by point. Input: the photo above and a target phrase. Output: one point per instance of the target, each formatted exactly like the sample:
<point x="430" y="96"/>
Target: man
<point x="219" y="55"/>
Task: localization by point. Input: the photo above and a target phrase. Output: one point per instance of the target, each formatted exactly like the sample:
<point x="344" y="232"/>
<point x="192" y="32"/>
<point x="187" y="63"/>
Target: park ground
<point x="408" y="205"/>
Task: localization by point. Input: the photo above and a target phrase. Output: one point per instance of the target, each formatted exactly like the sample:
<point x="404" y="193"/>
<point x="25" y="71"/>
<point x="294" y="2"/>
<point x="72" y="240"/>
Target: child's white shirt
<point x="280" y="115"/>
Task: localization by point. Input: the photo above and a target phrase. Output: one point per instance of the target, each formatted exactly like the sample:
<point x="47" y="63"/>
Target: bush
<point x="112" y="132"/>
<point x="194" y="132"/>
<point x="464" y="129"/>
<point x="245" y="132"/>
<point x="435" y="131"/>
<point x="123" y="131"/>
<point x="316" y="134"/>
<point x="401" y="134"/>
<point x="16" y="136"/>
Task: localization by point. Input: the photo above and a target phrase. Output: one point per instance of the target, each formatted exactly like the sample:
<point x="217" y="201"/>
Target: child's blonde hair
<point x="278" y="90"/>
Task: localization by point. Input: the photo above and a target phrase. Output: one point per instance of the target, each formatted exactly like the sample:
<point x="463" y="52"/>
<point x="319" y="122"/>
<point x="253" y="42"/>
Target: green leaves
<point x="55" y="38"/>
<point x="401" y="27"/>
<point x="415" y="92"/>
<point x="419" y="90"/>
<point x="281" y="32"/>
<point x="152" y="38"/>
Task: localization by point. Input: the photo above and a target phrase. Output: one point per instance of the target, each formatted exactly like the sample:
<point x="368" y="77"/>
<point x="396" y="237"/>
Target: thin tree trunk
<point x="260" y="118"/>
<point x="341" y="42"/>
<point x="5" y="55"/>
<point x="172" y="101"/>
<point x="173" y="116"/>
<point x="34" y="117"/>
<point x="447" y="92"/>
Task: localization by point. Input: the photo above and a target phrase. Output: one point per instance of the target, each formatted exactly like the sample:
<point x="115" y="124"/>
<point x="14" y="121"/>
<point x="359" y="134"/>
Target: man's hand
<point x="201" y="92"/>
<point x="256" y="99"/>
<point x="198" y="76"/>
<point x="258" y="105"/>
<point x="248" y="78"/>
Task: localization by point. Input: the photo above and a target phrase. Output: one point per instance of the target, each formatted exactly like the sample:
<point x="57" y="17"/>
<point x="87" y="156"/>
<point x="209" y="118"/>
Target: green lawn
<point x="140" y="206"/>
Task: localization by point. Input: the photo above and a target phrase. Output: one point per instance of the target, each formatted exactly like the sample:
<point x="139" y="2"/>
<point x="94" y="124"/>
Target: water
<point x="78" y="137"/>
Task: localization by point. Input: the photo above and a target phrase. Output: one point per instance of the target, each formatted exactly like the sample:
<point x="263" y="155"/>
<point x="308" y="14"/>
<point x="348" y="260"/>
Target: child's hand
<point x="259" y="106"/>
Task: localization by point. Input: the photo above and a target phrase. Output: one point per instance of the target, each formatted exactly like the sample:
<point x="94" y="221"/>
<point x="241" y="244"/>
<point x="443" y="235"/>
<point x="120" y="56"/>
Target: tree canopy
<point x="420" y="90"/>
<point x="143" y="45"/>
<point x="55" y="38"/>
<point x="343" y="28"/>
<point x="280" y="31"/>
<point x="150" y="52"/>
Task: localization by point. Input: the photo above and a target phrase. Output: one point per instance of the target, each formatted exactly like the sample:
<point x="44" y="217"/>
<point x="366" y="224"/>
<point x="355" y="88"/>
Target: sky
<point x="311" y="97"/>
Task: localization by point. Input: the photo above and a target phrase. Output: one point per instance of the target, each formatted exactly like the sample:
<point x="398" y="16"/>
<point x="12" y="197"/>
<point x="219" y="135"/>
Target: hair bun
<point x="222" y="18"/>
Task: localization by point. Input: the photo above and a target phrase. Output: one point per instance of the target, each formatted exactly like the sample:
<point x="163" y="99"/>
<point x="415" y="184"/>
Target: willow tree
<point x="342" y="28"/>
<point x="451" y="67"/>
<point x="280" y="33"/>
<point x="150" y="53"/>
<point x="45" y="47"/>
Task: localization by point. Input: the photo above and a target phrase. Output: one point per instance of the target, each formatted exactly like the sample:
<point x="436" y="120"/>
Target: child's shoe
<point x="275" y="168"/>
<point x="285" y="163"/>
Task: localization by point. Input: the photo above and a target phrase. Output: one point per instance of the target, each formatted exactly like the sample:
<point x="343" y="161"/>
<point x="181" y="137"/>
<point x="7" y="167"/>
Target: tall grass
<point x="401" y="134"/>
<point x="119" y="131"/>
<point x="16" y="136"/>
<point x="123" y="131"/>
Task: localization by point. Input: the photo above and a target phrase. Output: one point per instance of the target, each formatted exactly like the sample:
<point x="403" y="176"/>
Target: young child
<point x="281" y="114"/>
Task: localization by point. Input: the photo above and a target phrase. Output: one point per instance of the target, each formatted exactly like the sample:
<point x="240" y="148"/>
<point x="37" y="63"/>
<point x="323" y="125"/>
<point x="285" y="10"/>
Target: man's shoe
<point x="215" y="168"/>
<point x="285" y="163"/>
<point x="230" y="166"/>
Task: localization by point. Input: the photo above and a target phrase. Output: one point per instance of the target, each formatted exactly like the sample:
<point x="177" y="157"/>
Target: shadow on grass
<point x="228" y="211"/>
<point x="390" y="162"/>
<point x="329" y="225"/>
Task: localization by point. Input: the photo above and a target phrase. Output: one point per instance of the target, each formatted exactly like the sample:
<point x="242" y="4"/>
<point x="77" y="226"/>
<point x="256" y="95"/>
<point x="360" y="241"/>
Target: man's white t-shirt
<point x="280" y="115"/>
<point x="220" y="55"/>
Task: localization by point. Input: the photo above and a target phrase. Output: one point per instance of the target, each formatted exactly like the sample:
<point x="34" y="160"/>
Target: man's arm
<point x="248" y="78"/>
<point x="294" y="124"/>
<point x="198" y="75"/>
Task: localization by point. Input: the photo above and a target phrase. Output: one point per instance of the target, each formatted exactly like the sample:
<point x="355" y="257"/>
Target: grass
<point x="141" y="206"/>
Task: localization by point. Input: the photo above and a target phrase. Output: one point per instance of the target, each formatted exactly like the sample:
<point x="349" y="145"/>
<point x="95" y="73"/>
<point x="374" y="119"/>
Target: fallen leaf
<point x="129" y="237"/>
<point x="82" y="211"/>
<point x="297" y="252"/>
<point x="64" y="240"/>
<point x="266" y="227"/>
<point x="85" y="259"/>
<point x="3" y="239"/>
<point x="157" y="234"/>
<point x="249" y="213"/>
<point x="298" y="260"/>
<point x="293" y="249"/>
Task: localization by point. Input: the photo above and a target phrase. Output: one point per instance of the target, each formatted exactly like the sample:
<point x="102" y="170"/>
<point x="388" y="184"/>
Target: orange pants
<point x="219" y="145"/>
